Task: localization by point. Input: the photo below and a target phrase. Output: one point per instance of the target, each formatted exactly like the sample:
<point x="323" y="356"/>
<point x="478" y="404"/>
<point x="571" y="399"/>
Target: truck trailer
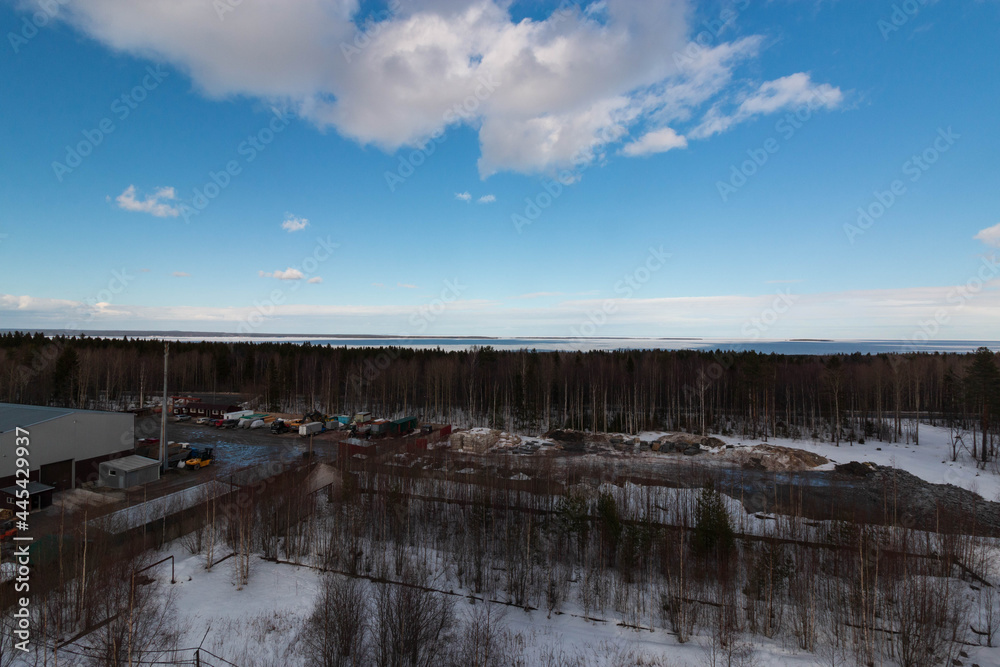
<point x="312" y="428"/>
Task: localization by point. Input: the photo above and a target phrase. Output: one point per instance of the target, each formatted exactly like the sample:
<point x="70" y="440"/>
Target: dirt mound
<point x="688" y="443"/>
<point x="561" y="435"/>
<point x="855" y="469"/>
<point x="774" y="458"/>
<point x="570" y="441"/>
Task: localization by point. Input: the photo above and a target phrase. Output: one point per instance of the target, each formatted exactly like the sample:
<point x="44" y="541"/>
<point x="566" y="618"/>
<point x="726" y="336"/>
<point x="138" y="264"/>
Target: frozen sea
<point x="795" y="346"/>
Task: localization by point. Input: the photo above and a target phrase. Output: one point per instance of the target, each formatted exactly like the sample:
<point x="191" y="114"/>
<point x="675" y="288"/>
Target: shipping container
<point x="402" y="426"/>
<point x="311" y="428"/>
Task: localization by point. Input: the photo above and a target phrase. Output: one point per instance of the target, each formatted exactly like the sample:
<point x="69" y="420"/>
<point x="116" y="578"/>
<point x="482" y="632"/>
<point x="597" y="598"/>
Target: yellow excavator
<point x="199" y="458"/>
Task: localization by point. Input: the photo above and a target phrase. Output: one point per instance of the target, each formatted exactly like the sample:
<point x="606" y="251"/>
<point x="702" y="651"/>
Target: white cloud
<point x="294" y="224"/>
<point x="315" y="280"/>
<point x="152" y="204"/>
<point x="180" y="274"/>
<point x="406" y="286"/>
<point x="463" y="196"/>
<point x="657" y="141"/>
<point x="795" y="91"/>
<point x="487" y="199"/>
<point x="542" y="94"/>
<point x="989" y="236"/>
<point x="287" y="274"/>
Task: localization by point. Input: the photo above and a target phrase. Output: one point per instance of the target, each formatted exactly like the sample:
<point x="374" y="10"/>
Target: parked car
<point x="183" y="418"/>
<point x="202" y="420"/>
<point x="229" y="423"/>
<point x="217" y="422"/>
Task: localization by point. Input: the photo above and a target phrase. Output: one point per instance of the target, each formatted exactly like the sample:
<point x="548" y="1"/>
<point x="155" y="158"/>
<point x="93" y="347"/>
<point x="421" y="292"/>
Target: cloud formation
<point x="791" y="92"/>
<point x="294" y="224"/>
<point x="657" y="141"/>
<point x="463" y="196"/>
<point x="487" y="199"/>
<point x="288" y="274"/>
<point x="543" y="93"/>
<point x="154" y="204"/>
<point x="990" y="236"/>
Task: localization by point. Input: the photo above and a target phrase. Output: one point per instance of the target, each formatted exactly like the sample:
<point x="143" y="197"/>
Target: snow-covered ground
<point x="930" y="460"/>
<point x="258" y="625"/>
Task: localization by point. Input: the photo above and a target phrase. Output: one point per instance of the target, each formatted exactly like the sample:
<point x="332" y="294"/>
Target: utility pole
<point x="163" y="412"/>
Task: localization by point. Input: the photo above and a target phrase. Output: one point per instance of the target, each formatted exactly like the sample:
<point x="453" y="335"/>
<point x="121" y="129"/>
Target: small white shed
<point x="129" y="471"/>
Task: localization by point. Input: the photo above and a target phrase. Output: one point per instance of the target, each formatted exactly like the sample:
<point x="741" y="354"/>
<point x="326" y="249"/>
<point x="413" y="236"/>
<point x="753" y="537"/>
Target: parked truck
<point x="312" y="428"/>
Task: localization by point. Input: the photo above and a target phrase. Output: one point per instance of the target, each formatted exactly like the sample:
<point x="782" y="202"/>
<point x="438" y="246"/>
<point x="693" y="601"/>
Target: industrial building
<point x="66" y="446"/>
<point x="212" y="410"/>
<point x="129" y="471"/>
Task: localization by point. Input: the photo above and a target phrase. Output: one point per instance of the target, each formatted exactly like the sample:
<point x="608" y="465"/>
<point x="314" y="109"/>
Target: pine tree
<point x="982" y="386"/>
<point x="713" y="531"/>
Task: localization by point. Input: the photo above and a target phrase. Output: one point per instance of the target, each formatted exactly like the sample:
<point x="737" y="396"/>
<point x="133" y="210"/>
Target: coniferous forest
<point x="834" y="398"/>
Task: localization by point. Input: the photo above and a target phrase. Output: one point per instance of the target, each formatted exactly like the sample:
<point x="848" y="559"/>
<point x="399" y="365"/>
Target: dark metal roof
<point x="34" y="488"/>
<point x="225" y="407"/>
<point x="403" y="420"/>
<point x="13" y="415"/>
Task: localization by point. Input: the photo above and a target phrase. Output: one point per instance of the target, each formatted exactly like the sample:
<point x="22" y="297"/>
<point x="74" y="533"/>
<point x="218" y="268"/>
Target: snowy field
<point x="261" y="623"/>
<point x="258" y="626"/>
<point x="930" y="460"/>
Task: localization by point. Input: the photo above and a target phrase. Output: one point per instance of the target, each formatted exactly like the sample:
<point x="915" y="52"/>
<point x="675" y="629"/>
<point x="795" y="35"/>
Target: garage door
<point x="59" y="475"/>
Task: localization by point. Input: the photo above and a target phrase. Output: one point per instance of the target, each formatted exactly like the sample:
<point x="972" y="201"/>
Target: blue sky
<point x="411" y="215"/>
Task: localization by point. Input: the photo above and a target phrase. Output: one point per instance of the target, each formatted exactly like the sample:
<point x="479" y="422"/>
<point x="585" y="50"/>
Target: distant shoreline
<point x="793" y="346"/>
